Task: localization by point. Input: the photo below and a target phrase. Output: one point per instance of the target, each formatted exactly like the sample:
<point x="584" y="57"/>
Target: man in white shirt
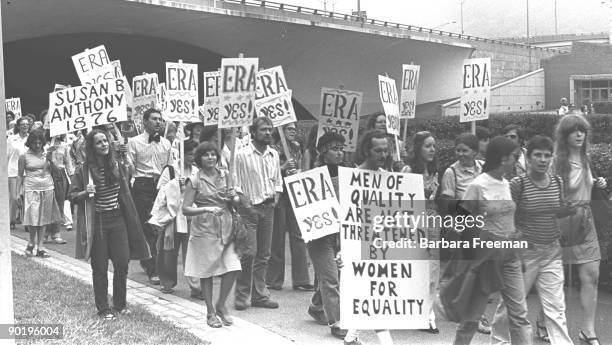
<point x="150" y="153"/>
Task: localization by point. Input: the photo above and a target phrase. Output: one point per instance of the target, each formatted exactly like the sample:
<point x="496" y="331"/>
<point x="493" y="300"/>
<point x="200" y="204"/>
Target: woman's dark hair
<point x="189" y="145"/>
<point x="17" y="124"/>
<point x="111" y="168"/>
<point x="365" y="142"/>
<point x="202" y="149"/>
<point x="10" y="113"/>
<point x="416" y="163"/>
<point x="37" y="134"/>
<point x="207" y="132"/>
<point x="498" y="148"/>
<point x="324" y="142"/>
<point x="482" y="133"/>
<point x="540" y="142"/>
<point x="467" y="139"/>
<point x="372" y="119"/>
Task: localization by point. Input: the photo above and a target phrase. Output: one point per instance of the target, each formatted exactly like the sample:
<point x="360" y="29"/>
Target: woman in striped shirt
<point x="108" y="226"/>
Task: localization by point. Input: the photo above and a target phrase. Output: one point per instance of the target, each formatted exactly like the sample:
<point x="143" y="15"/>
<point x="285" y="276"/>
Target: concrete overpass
<point x="316" y="48"/>
<point x="562" y="42"/>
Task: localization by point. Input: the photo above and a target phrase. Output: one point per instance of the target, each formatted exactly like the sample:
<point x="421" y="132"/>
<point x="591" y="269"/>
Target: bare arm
<point x="189" y="209"/>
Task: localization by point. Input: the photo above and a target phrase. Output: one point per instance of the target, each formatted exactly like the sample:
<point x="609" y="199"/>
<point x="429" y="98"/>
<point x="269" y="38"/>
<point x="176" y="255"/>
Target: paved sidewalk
<point x="181" y="312"/>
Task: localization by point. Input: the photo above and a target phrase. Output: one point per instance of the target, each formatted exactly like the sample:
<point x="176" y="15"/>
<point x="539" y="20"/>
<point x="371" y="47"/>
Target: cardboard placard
<point x="209" y="110"/>
<point x="273" y="97"/>
<point x="93" y="65"/>
<point x="314" y="203"/>
<point x="181" y="92"/>
<point x="87" y="106"/>
<point x="410" y="83"/>
<point x="238" y="87"/>
<point x="144" y="88"/>
<point x="390" y="101"/>
<point x="117" y="68"/>
<point x="476" y="94"/>
<point x="382" y="287"/>
<point x="14" y="105"/>
<point x="340" y="110"/>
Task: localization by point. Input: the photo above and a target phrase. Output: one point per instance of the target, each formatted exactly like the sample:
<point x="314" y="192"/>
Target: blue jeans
<point x="110" y="241"/>
<point x="513" y="295"/>
<point x="144" y="193"/>
<point x="543" y="267"/>
<point x="251" y="281"/>
<point x="322" y="253"/>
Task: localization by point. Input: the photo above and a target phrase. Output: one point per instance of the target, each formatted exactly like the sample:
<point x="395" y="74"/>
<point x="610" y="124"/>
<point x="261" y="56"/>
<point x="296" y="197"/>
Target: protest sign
<point x="118" y="72"/>
<point x="181" y="92"/>
<point x="390" y="101"/>
<point x="476" y="94"/>
<point x="314" y="203"/>
<point x="340" y="110"/>
<point x="238" y="89"/>
<point x="93" y="65"/>
<point x="144" y="92"/>
<point x="58" y="87"/>
<point x="273" y="97"/>
<point x="162" y="101"/>
<point x="410" y="82"/>
<point x="86" y="106"/>
<point x="14" y="105"/>
<point x="209" y="110"/>
<point x="385" y="281"/>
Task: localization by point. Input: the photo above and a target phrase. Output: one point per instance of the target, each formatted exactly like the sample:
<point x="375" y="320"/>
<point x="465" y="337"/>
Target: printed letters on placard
<point x="238" y="87"/>
<point x="476" y="94"/>
<point x="340" y="110"/>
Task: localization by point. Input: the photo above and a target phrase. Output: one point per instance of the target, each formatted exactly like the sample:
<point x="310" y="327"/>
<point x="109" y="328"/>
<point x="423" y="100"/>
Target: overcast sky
<point x="490" y="18"/>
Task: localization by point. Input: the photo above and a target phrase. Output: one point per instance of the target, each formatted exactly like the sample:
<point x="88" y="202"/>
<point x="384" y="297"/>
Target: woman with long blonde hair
<point x="579" y="237"/>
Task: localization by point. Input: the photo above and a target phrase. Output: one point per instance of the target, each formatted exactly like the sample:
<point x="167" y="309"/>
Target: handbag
<point x="601" y="207"/>
<point x="244" y="240"/>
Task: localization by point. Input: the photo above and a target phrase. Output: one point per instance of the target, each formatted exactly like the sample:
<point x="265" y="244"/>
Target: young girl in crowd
<point x="40" y="209"/>
<point x="108" y="226"/>
<point x="580" y="242"/>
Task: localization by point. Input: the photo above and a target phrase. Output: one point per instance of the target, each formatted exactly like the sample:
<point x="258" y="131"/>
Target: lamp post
<point x="441" y="25"/>
<point x="528" y="39"/>
<point x="462" y="2"/>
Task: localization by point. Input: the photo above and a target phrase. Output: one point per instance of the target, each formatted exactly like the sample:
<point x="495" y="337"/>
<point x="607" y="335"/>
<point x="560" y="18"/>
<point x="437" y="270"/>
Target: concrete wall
<point x="525" y="93"/>
<point x="585" y="59"/>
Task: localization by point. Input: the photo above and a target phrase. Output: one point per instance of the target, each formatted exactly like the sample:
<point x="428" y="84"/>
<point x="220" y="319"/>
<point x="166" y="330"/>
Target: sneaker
<point x="42" y="254"/>
<point x="483" y="326"/>
<point x="354" y="342"/>
<point x="154" y="280"/>
<point x="29" y="251"/>
<point x="69" y="228"/>
<point x="59" y="240"/>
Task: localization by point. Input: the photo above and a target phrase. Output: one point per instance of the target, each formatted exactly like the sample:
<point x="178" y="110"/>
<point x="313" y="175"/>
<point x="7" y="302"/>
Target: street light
<point x="462" y="2"/>
<point x="441" y="25"/>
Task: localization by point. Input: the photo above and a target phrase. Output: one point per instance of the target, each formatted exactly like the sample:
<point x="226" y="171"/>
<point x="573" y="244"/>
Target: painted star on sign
<point x="239" y="98"/>
<point x="209" y="102"/>
<point x="227" y="98"/>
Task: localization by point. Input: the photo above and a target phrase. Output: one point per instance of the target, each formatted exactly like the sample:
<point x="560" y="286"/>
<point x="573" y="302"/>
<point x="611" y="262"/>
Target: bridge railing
<point x="376" y="22"/>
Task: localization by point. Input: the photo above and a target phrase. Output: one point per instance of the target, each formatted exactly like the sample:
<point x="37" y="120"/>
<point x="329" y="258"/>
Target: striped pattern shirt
<point x="258" y="174"/>
<point x="149" y="158"/>
<point x="107" y="196"/>
<point x="540" y="224"/>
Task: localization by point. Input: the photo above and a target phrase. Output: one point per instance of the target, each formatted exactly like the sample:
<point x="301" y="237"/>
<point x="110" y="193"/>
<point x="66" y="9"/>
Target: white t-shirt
<point x="491" y="198"/>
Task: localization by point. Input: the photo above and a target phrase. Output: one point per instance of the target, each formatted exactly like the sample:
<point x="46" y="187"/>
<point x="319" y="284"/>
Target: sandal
<point x="590" y="341"/>
<point x="29" y="251"/>
<point x="225" y="319"/>
<point x="42" y="254"/>
<point x="542" y="332"/>
<point x="213" y="321"/>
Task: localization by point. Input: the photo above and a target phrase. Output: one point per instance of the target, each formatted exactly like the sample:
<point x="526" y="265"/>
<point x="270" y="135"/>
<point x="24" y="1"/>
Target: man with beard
<point x="150" y="153"/>
<point x="259" y="184"/>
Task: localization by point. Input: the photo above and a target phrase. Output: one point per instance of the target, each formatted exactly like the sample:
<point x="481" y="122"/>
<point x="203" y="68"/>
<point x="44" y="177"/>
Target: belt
<point x="110" y="213"/>
<point x="268" y="201"/>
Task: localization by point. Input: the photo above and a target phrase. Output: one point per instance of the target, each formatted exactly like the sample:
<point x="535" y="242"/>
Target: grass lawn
<point x="43" y="295"/>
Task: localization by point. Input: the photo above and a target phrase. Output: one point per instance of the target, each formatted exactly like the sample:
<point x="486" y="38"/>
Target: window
<point x="595" y="91"/>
